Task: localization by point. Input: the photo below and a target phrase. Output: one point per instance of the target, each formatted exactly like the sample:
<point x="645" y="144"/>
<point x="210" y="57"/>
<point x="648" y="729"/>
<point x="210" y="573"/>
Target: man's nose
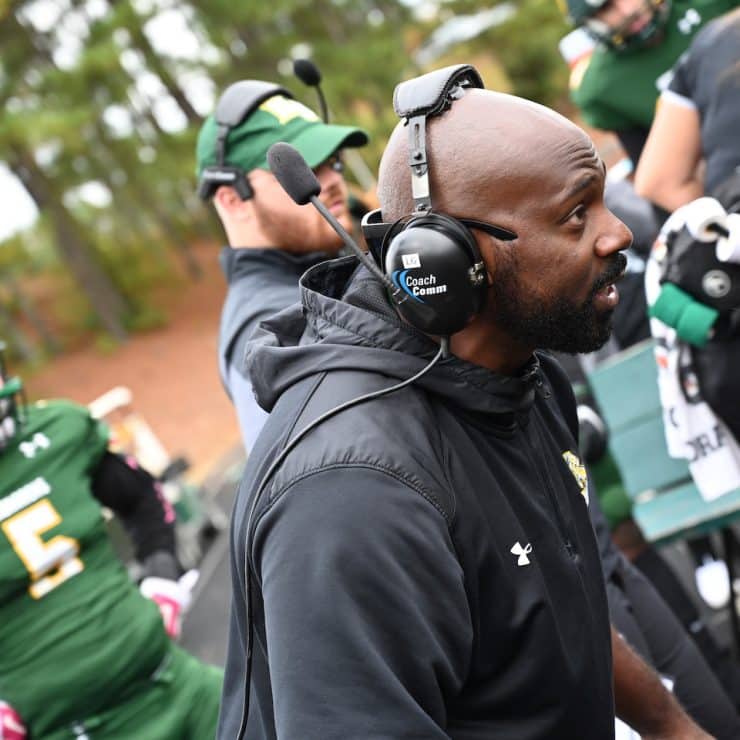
<point x="615" y="238"/>
<point x="625" y="7"/>
<point x="328" y="176"/>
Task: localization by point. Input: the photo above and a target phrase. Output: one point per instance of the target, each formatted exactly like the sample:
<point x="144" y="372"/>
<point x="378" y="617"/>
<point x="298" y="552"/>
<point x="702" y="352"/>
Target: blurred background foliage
<point x="102" y="100"/>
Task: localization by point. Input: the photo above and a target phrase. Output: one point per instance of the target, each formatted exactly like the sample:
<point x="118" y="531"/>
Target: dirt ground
<point x="172" y="373"/>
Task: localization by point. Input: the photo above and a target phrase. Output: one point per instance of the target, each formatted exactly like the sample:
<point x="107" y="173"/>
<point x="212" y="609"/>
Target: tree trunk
<point x="32" y="315"/>
<point x="156" y="65"/>
<point x="154" y="62"/>
<point x="106" y="300"/>
<point x="16" y="339"/>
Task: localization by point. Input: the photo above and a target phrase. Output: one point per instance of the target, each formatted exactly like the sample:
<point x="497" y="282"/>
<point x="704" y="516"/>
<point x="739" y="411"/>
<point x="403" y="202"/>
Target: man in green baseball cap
<point x="271" y="240"/>
<point x="232" y="166"/>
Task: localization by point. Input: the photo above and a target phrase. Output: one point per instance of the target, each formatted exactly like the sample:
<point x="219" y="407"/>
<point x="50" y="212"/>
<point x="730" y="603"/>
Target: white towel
<point x="693" y="431"/>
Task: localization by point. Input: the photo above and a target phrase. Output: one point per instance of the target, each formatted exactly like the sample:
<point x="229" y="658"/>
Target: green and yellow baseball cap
<point x="279" y="118"/>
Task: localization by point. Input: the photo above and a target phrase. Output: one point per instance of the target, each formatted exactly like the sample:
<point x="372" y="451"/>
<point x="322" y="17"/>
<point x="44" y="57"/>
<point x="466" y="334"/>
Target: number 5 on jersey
<point x="48" y="563"/>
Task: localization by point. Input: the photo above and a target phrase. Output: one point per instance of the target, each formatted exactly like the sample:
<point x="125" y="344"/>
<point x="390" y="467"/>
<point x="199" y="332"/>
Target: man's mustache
<point x="614" y="270"/>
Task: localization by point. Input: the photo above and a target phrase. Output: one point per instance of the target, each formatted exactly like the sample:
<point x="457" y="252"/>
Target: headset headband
<point x="415" y="101"/>
<point x="234" y="106"/>
<point x="425" y="97"/>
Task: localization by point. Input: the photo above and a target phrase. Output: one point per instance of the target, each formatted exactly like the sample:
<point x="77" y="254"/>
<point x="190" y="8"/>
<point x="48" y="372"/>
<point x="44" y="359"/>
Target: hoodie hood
<point x="345" y="322"/>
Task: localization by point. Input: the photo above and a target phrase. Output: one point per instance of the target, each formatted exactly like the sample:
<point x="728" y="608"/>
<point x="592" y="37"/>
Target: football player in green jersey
<point x="637" y="43"/>
<point x="83" y="653"/>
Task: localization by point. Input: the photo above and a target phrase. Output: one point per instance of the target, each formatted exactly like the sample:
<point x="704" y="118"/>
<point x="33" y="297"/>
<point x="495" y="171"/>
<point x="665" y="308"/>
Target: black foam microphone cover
<point x="292" y="172"/>
<point x="307" y="72"/>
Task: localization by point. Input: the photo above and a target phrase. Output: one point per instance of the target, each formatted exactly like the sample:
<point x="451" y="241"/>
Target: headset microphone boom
<point x="310" y="75"/>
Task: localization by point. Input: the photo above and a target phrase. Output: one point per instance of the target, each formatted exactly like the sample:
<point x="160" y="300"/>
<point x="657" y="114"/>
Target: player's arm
<point x="668" y="172"/>
<point x="644" y="703"/>
<point x="364" y="594"/>
<point x="137" y="499"/>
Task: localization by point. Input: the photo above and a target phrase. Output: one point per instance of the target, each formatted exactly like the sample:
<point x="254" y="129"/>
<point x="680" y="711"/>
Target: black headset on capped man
<point x="235" y="105"/>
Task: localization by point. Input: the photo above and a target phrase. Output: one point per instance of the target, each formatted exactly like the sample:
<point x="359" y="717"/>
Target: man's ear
<point x="228" y="202"/>
<point x="487" y="249"/>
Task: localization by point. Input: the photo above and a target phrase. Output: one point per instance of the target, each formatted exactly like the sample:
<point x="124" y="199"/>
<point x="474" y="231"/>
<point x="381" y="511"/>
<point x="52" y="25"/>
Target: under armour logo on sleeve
<point x="690" y="19"/>
<point x="30" y="447"/>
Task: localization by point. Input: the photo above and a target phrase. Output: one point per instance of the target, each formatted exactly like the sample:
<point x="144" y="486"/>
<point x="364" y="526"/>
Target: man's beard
<point x="287" y="233"/>
<point x="559" y="324"/>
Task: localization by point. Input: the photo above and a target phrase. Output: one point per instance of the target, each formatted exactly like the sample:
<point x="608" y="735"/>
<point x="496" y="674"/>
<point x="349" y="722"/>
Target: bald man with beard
<point x="422" y="565"/>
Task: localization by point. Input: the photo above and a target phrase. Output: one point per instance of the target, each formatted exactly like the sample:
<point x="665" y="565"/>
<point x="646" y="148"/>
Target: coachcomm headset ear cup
<point x="435" y="261"/>
<point x="439" y="279"/>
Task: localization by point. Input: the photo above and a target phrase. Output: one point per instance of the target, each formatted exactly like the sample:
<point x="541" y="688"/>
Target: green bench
<point x="667" y="505"/>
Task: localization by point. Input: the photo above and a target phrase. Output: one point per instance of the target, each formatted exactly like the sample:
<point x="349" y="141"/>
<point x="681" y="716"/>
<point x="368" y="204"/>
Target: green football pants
<point x="179" y="702"/>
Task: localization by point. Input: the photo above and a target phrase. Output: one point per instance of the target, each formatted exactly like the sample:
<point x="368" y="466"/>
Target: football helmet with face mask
<point x="619" y="38"/>
<point x="11" y="402"/>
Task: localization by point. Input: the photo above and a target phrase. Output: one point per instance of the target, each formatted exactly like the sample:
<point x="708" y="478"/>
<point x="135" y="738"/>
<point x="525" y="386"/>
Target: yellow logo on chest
<point x="579" y="472"/>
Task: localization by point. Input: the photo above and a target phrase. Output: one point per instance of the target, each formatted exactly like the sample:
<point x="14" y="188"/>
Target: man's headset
<point x="432" y="257"/>
<point x="235" y="105"/>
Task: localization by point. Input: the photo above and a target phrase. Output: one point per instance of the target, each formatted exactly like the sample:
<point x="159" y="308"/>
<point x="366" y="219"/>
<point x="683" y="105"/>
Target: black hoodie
<point x="423" y="565"/>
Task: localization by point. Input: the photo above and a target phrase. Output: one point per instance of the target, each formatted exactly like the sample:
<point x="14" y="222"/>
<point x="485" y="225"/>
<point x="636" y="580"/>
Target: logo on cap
<point x="285" y="110"/>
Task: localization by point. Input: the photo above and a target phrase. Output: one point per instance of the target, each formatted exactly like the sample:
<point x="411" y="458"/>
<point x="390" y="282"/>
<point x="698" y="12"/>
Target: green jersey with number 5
<point x="74" y="630"/>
